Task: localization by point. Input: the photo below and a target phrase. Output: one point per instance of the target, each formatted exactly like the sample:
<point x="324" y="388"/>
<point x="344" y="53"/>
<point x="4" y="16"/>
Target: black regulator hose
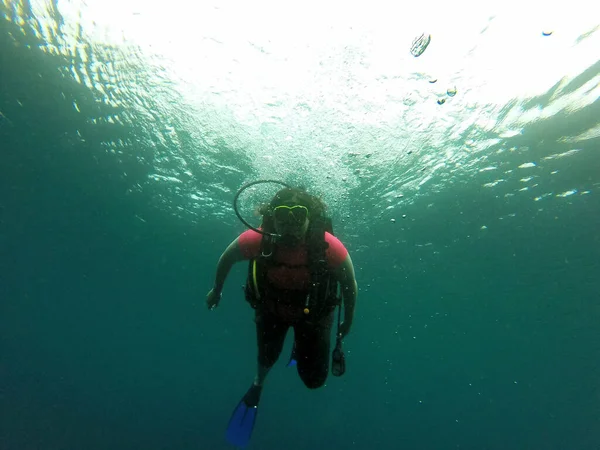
<point x="242" y="189"/>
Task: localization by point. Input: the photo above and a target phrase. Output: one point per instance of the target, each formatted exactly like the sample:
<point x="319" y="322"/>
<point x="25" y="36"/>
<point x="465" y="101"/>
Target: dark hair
<point x="291" y="196"/>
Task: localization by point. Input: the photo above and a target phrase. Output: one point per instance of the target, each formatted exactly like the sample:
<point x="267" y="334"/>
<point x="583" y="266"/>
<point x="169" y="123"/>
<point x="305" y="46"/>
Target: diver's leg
<point x="270" y="333"/>
<point x="261" y="374"/>
<point x="313" y="344"/>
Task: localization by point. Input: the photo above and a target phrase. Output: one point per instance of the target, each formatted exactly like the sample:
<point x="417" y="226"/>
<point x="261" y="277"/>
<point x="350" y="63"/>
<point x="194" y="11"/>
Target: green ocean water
<point x="478" y="310"/>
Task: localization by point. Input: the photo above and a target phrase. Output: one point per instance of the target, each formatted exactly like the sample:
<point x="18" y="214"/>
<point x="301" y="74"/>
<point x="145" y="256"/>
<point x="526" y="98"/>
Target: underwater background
<point x="473" y="222"/>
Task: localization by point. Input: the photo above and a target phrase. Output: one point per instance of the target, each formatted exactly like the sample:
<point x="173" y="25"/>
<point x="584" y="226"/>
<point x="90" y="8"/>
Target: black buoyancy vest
<point x="322" y="296"/>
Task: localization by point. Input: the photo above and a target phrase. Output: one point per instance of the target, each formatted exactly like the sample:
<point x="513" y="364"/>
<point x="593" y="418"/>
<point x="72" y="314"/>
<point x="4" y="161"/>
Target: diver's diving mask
<point x="291" y="214"/>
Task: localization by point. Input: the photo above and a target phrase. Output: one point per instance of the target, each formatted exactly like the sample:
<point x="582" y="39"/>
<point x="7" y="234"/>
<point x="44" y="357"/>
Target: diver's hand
<point x="344" y="328"/>
<point x="212" y="299"/>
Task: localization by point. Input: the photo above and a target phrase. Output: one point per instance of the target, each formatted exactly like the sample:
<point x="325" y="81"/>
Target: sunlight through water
<point x="328" y="95"/>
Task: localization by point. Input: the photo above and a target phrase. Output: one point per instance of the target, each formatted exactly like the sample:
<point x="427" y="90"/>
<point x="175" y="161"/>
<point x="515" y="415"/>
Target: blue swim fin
<point x="241" y="424"/>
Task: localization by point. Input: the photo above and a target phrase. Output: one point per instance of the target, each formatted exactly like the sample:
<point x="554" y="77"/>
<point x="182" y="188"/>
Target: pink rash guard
<point x="292" y="271"/>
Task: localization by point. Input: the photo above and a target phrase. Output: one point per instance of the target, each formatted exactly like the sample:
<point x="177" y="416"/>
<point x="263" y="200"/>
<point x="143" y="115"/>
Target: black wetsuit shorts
<point x="312" y="341"/>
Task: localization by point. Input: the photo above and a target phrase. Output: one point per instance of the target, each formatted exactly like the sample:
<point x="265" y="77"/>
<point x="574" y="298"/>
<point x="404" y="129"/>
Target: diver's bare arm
<point x="346" y="277"/>
<point x="230" y="256"/>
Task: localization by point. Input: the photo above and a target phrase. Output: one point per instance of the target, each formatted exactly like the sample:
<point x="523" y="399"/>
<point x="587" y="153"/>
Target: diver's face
<point x="291" y="221"/>
<point x="292" y="228"/>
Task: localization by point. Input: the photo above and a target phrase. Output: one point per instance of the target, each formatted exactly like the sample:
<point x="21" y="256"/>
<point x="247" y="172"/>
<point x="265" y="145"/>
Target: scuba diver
<point x="297" y="269"/>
